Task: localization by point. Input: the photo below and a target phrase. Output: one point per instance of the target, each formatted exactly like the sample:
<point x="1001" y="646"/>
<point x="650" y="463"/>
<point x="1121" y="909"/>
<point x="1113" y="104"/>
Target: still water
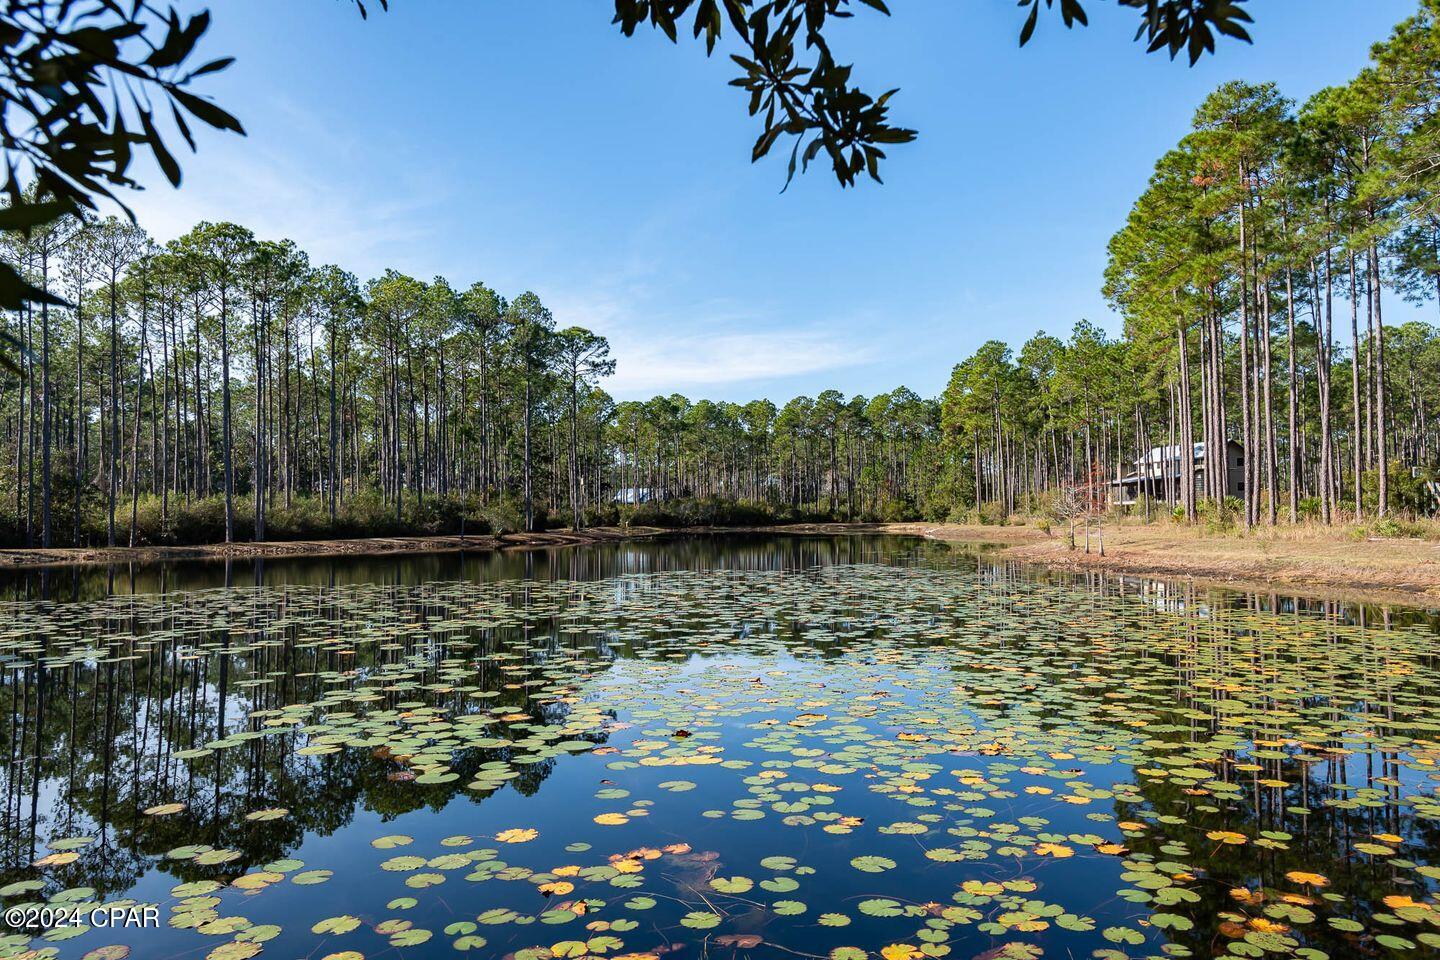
<point x="733" y="747"/>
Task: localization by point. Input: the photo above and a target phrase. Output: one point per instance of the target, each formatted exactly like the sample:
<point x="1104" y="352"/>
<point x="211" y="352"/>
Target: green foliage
<point x="1408" y="489"/>
<point x="801" y="93"/>
<point x="1170" y="25"/>
<point x="202" y="521"/>
<point x="504" y="514"/>
<point x="726" y="512"/>
<point x="993" y="514"/>
<point x="1221" y="517"/>
<point x="83" y="81"/>
<point x="401" y="405"/>
<point x="794" y="83"/>
<point x="897" y="510"/>
<point x="708" y="512"/>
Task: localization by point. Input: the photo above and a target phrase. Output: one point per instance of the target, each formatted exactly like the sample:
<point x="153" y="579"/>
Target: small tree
<point x="1094" y="501"/>
<point x="1067" y="507"/>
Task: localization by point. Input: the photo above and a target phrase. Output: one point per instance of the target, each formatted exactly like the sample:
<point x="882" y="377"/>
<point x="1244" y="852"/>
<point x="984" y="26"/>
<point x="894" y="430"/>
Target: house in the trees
<point x="1158" y="474"/>
<point x="635" y="495"/>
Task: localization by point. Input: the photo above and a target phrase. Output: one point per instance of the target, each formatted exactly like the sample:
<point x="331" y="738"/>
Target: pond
<point x="841" y="747"/>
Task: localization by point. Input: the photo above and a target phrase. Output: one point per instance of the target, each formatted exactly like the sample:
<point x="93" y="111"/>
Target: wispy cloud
<point x="322" y="197"/>
<point x="668" y="330"/>
<point x="661" y="346"/>
<point x="646" y="365"/>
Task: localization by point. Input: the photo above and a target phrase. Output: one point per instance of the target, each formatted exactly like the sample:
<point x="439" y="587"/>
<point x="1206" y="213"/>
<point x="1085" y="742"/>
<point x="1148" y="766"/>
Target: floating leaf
<point x="336" y="925"/>
<point x="872" y="864"/>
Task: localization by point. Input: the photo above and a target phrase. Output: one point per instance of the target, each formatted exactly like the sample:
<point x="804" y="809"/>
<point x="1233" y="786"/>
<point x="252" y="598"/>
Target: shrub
<point x="1387" y="527"/>
<point x="503" y="515"/>
<point x="606" y="516"/>
<point x="152" y="524"/>
<point x="711" y="512"/>
<point x="897" y="510"/>
<point x="304" y="519"/>
<point x="1220" y="518"/>
<point x="994" y="515"/>
<point x="1393" y="527"/>
<point x="1408" y="491"/>
<point x="202" y="521"/>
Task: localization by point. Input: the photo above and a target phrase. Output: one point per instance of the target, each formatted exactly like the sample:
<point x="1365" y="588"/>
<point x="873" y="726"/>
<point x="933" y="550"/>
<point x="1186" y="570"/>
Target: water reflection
<point x="1220" y="743"/>
<point x="594" y="562"/>
<point x="667" y="553"/>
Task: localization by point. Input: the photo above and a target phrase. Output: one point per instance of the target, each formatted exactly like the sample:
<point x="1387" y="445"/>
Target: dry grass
<point x="1305" y="531"/>
<point x="1305" y="558"/>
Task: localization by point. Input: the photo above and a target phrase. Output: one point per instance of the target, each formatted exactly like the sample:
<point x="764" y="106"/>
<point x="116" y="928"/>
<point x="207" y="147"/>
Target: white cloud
<point x="646" y="365"/>
<point x="663" y="347"/>
<point x="339" y="209"/>
<point x="331" y="206"/>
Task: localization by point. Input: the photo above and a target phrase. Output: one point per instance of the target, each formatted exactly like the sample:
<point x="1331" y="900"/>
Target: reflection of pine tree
<point x="1320" y="843"/>
<point x="98" y="747"/>
<point x="735" y="551"/>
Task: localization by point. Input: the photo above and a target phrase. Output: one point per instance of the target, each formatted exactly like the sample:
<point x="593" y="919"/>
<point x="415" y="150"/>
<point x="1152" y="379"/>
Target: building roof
<point x="1172" y="453"/>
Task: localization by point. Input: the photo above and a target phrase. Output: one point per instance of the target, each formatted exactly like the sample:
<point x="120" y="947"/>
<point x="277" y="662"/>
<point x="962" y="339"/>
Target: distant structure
<point x="1158" y="474"/>
<point x="634" y="495"/>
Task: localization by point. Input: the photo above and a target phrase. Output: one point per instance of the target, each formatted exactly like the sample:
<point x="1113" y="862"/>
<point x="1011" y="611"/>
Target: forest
<point x="221" y="386"/>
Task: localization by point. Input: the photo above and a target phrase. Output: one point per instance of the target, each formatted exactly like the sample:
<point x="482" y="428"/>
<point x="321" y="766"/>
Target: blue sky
<point x="529" y="145"/>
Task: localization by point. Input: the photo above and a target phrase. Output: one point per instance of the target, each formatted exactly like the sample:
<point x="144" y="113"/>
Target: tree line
<point x="1265" y="226"/>
<point x="220" y="384"/>
<point x="225" y="379"/>
<point x="224" y="366"/>
<point x="1268" y="224"/>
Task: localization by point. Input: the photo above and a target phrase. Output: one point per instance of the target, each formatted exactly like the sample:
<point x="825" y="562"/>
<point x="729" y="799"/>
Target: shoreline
<point x="27" y="558"/>
<point x="1309" y="563"/>
<point x="1400" y="571"/>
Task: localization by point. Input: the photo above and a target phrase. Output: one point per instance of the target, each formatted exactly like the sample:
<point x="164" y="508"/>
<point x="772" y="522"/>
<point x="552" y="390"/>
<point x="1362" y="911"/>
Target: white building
<point x="634" y="495"/>
<point x="1157" y="475"/>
